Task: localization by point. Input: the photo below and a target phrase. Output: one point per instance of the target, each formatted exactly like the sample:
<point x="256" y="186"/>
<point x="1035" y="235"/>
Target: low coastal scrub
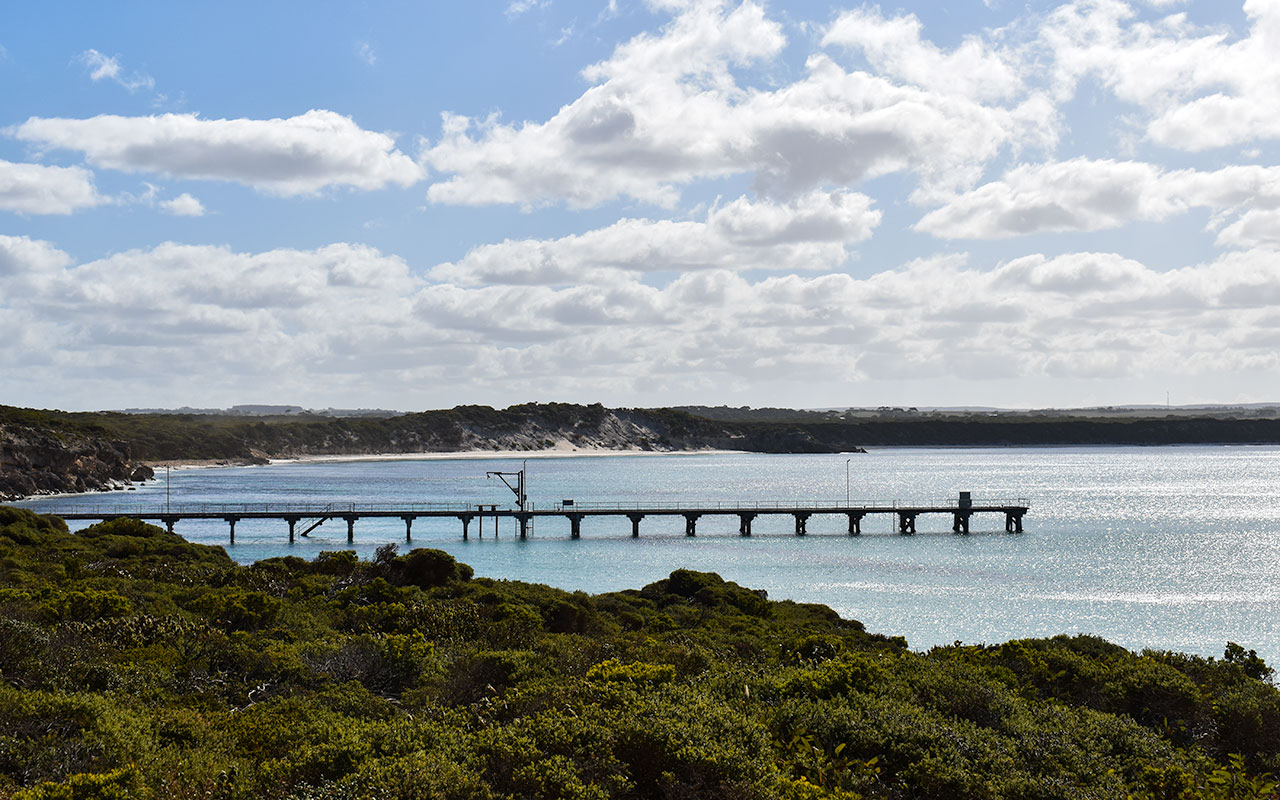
<point x="137" y="665"/>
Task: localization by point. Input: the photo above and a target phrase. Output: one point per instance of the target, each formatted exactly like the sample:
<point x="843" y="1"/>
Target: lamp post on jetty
<point x="846" y="482"/>
<point x="167" y="467"/>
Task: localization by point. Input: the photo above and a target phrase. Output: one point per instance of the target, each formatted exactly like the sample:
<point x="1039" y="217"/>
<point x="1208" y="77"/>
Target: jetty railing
<point x="313" y="515"/>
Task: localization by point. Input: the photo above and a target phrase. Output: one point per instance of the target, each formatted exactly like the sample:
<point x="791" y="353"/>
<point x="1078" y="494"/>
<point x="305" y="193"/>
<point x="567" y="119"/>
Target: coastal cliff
<point x="35" y="461"/>
<point x="43" y="452"/>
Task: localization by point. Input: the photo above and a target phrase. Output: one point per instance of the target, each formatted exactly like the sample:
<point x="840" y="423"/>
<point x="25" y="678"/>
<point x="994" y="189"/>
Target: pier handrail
<point x="334" y="509"/>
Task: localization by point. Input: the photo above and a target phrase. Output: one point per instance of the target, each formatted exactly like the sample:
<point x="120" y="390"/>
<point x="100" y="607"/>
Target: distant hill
<point x="32" y="460"/>
<point x="57" y="451"/>
<point x="267" y="411"/>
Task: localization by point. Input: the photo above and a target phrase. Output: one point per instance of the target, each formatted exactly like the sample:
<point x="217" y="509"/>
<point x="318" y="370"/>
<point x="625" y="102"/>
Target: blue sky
<point x="412" y="205"/>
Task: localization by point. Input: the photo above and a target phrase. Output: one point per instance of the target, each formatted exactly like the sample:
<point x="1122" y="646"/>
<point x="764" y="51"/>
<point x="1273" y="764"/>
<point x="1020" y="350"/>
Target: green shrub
<point x="84" y="605"/>
<point x="638" y="672"/>
<point x="427" y="568"/>
<point x="120" y="784"/>
<point x="237" y="609"/>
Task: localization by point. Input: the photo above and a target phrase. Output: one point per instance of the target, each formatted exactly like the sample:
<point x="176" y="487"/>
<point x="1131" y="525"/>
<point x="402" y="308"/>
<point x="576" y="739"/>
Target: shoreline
<point x="462" y="455"/>
<point x="321" y="458"/>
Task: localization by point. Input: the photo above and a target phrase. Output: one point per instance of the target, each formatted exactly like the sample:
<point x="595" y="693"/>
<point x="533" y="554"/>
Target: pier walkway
<point x="303" y="519"/>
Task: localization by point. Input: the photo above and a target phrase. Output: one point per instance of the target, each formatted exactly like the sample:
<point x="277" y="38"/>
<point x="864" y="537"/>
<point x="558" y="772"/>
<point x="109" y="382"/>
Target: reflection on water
<point x="1170" y="548"/>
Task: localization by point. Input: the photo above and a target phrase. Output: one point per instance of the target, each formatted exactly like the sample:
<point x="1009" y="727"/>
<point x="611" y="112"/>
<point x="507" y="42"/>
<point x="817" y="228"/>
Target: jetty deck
<point x="302" y="519"/>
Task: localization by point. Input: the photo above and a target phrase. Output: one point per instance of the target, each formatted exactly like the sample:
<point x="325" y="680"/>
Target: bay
<point x="1162" y="547"/>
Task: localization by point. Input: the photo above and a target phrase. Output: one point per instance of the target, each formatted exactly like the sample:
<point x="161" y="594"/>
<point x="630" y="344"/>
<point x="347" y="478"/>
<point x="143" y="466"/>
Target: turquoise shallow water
<point x="1169" y="548"/>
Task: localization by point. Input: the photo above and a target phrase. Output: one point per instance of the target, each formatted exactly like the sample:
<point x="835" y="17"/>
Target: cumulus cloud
<point x="667" y="109"/>
<point x="747" y="292"/>
<point x="24" y="255"/>
<point x="1199" y="88"/>
<point x="1091" y="195"/>
<point x="1076" y="195"/>
<point x="975" y="69"/>
<point x="184" y="205"/>
<point x="293" y="156"/>
<point x="811" y="233"/>
<point x="347" y="315"/>
<point x="39" y="189"/>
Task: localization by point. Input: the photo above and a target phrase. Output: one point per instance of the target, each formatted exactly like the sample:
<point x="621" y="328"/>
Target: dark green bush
<point x="133" y="664"/>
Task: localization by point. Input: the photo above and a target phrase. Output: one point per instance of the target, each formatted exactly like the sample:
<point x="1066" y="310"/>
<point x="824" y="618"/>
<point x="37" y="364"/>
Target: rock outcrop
<point x="34" y="461"/>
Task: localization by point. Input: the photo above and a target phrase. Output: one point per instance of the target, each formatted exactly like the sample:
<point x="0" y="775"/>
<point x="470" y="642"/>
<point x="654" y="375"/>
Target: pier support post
<point x="1013" y="521"/>
<point x="231" y="522"/>
<point x="524" y="525"/>
<point x="855" y="524"/>
<point x="635" y="524"/>
<point x="802" y="520"/>
<point x="906" y="523"/>
<point x="575" y="526"/>
<point x="408" y="528"/>
<point x="465" y="519"/>
<point x="691" y="524"/>
<point x="744" y="523"/>
<point x="351" y="529"/>
<point x="961" y="522"/>
<point x="293" y="523"/>
<point x="169" y="523"/>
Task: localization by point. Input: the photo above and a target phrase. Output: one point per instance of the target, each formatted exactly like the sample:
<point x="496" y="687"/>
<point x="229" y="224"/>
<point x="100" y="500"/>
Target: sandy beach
<point x="556" y="452"/>
<point x="561" y="451"/>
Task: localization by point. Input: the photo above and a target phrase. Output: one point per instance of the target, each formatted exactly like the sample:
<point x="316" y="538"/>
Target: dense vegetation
<point x="158" y="437"/>
<point x="135" y="664"/>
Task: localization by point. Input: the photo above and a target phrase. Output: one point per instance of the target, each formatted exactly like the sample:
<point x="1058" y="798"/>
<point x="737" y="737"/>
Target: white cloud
<point x="1077" y="195"/>
<point x="1254" y="228"/>
<point x="1086" y="195"/>
<point x="184" y="205"/>
<point x="518" y="7"/>
<point x="298" y="155"/>
<point x="975" y="69"/>
<point x="1199" y="88"/>
<point x="667" y="109"/>
<point x="366" y="53"/>
<point x="347" y="315"/>
<point x="812" y="233"/>
<point x="103" y="67"/>
<point x="24" y="255"/>
<point x="39" y="189"/>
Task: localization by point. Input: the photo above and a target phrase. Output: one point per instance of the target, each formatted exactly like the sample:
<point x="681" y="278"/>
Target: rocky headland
<point x="45" y="452"/>
<point x="34" y="461"/>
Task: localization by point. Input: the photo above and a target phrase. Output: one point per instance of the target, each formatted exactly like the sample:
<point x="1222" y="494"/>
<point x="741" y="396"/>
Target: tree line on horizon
<point x="158" y="437"/>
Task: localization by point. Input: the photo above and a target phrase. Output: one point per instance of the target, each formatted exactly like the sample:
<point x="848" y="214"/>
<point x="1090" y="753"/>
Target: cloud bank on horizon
<point x="677" y="201"/>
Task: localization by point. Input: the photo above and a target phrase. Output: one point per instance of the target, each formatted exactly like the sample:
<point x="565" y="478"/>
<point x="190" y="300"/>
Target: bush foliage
<point x="137" y="665"/>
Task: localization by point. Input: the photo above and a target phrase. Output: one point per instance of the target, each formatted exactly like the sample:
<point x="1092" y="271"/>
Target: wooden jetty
<point x="303" y="519"/>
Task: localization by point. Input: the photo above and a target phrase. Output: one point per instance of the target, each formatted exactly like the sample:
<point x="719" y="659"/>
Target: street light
<point x="166" y="488"/>
<point x="846" y="482"/>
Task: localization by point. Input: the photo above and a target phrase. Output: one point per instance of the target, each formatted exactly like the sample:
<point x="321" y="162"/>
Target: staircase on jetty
<point x="311" y="517"/>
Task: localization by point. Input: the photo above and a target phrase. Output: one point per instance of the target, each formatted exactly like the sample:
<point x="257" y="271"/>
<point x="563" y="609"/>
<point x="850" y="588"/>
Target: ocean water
<point x="1161" y="547"/>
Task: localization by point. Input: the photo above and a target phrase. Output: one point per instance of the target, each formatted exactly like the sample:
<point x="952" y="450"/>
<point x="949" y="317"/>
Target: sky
<point x="416" y="205"/>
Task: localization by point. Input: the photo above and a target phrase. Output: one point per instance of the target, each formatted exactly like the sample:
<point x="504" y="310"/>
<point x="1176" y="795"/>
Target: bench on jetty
<point x="310" y="517"/>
